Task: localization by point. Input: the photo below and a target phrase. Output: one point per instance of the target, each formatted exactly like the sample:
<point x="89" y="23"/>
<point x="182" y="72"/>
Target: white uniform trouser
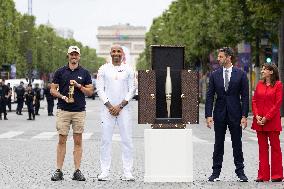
<point x="125" y="128"/>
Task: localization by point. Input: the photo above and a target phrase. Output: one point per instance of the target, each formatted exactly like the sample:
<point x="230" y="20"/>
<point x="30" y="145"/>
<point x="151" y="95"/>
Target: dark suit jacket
<point x="234" y="102"/>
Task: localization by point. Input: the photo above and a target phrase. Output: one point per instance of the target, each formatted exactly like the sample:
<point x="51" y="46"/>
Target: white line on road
<point x="85" y="136"/>
<point x="45" y="135"/>
<point x="198" y="140"/>
<point x="253" y="138"/>
<point x="228" y="139"/>
<point x="11" y="134"/>
<point x="116" y="138"/>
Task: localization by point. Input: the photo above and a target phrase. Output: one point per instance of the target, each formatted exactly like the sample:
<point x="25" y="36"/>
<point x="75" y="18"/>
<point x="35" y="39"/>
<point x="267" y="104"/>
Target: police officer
<point x="30" y="102"/>
<point x="37" y="98"/>
<point x="49" y="100"/>
<point x="9" y="97"/>
<point x="4" y="92"/>
<point x="20" y="92"/>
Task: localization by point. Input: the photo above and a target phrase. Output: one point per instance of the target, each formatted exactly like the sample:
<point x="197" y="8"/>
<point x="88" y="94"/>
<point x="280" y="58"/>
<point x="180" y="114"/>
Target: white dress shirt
<point x="229" y="73"/>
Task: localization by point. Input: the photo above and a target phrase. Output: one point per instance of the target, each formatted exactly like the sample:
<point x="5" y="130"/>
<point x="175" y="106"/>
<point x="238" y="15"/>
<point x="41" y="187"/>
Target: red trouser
<point x="276" y="155"/>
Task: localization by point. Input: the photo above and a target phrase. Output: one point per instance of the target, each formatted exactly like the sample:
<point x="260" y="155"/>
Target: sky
<point x="84" y="16"/>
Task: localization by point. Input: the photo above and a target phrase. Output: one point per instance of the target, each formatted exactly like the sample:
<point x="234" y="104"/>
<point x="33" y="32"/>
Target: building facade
<point x="132" y="38"/>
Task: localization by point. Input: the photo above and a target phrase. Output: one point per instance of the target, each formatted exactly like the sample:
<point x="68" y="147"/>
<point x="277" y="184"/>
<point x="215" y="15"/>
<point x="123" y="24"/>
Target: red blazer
<point x="266" y="102"/>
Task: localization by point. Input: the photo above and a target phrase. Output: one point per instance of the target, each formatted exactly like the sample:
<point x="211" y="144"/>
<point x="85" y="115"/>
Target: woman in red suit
<point x="266" y="104"/>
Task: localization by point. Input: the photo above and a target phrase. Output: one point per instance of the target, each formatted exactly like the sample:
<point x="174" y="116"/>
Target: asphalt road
<point x="28" y="152"/>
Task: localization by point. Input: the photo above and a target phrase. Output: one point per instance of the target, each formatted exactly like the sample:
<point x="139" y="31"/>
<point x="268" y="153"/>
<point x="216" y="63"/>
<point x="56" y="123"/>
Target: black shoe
<point x="214" y="177"/>
<point x="29" y="119"/>
<point x="259" y="180"/>
<point x="17" y="112"/>
<point x="5" y="118"/>
<point x="276" y="180"/>
<point x="20" y="114"/>
<point x="78" y="176"/>
<point x="57" y="175"/>
<point x="242" y="177"/>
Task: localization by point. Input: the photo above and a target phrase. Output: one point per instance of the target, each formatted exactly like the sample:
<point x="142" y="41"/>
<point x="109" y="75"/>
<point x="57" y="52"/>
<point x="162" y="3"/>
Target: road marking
<point x="198" y="140"/>
<point x="45" y="135"/>
<point x="253" y="138"/>
<point x="228" y="139"/>
<point x="116" y="138"/>
<point x="11" y="134"/>
<point x="85" y="136"/>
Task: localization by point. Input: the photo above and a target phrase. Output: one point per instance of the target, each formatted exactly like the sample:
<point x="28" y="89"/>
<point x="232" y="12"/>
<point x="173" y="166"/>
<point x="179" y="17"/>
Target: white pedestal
<point x="168" y="155"/>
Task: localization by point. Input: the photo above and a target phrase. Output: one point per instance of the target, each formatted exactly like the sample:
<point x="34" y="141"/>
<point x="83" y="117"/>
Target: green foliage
<point x="203" y="26"/>
<point x="19" y="34"/>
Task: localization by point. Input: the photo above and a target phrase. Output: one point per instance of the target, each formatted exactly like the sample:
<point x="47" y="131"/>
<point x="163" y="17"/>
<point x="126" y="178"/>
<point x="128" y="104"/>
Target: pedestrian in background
<point x="266" y="104"/>
<point x="9" y="100"/>
<point x="49" y="100"/>
<point x="20" y="92"/>
<point x="30" y="102"/>
<point x="74" y="81"/>
<point x="115" y="87"/>
<point x="37" y="98"/>
<point x="230" y="84"/>
<point x="4" y="92"/>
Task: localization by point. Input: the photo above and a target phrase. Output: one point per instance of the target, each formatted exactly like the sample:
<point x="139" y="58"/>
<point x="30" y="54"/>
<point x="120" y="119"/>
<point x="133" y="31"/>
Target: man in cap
<point x="73" y="83"/>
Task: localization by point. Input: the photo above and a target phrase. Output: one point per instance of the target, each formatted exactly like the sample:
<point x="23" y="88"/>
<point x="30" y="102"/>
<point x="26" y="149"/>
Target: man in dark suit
<point x="230" y="84"/>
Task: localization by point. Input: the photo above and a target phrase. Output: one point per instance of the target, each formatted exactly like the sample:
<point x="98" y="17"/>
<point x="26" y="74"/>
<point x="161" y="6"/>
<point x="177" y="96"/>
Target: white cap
<point x="73" y="49"/>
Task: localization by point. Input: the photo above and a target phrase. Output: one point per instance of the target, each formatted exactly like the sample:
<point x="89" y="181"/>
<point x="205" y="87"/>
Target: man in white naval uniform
<point x="116" y="87"/>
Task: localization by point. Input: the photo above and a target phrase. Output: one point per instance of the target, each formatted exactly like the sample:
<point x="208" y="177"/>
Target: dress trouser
<point x="276" y="155"/>
<point x="3" y="106"/>
<point x="50" y="105"/>
<point x="37" y="106"/>
<point x="20" y="104"/>
<point x="236" y="138"/>
<point x="9" y="103"/>
<point x="31" y="110"/>
<point x="125" y="128"/>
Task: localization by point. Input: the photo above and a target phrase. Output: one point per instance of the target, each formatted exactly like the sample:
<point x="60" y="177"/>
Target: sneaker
<point x="104" y="176"/>
<point x="242" y="178"/>
<point x="78" y="176"/>
<point x="214" y="177"/>
<point x="57" y="175"/>
<point x="128" y="177"/>
<point x="259" y="180"/>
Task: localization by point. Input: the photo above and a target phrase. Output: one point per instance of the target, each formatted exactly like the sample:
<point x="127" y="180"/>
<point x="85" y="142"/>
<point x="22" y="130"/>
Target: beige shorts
<point x="65" y="119"/>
